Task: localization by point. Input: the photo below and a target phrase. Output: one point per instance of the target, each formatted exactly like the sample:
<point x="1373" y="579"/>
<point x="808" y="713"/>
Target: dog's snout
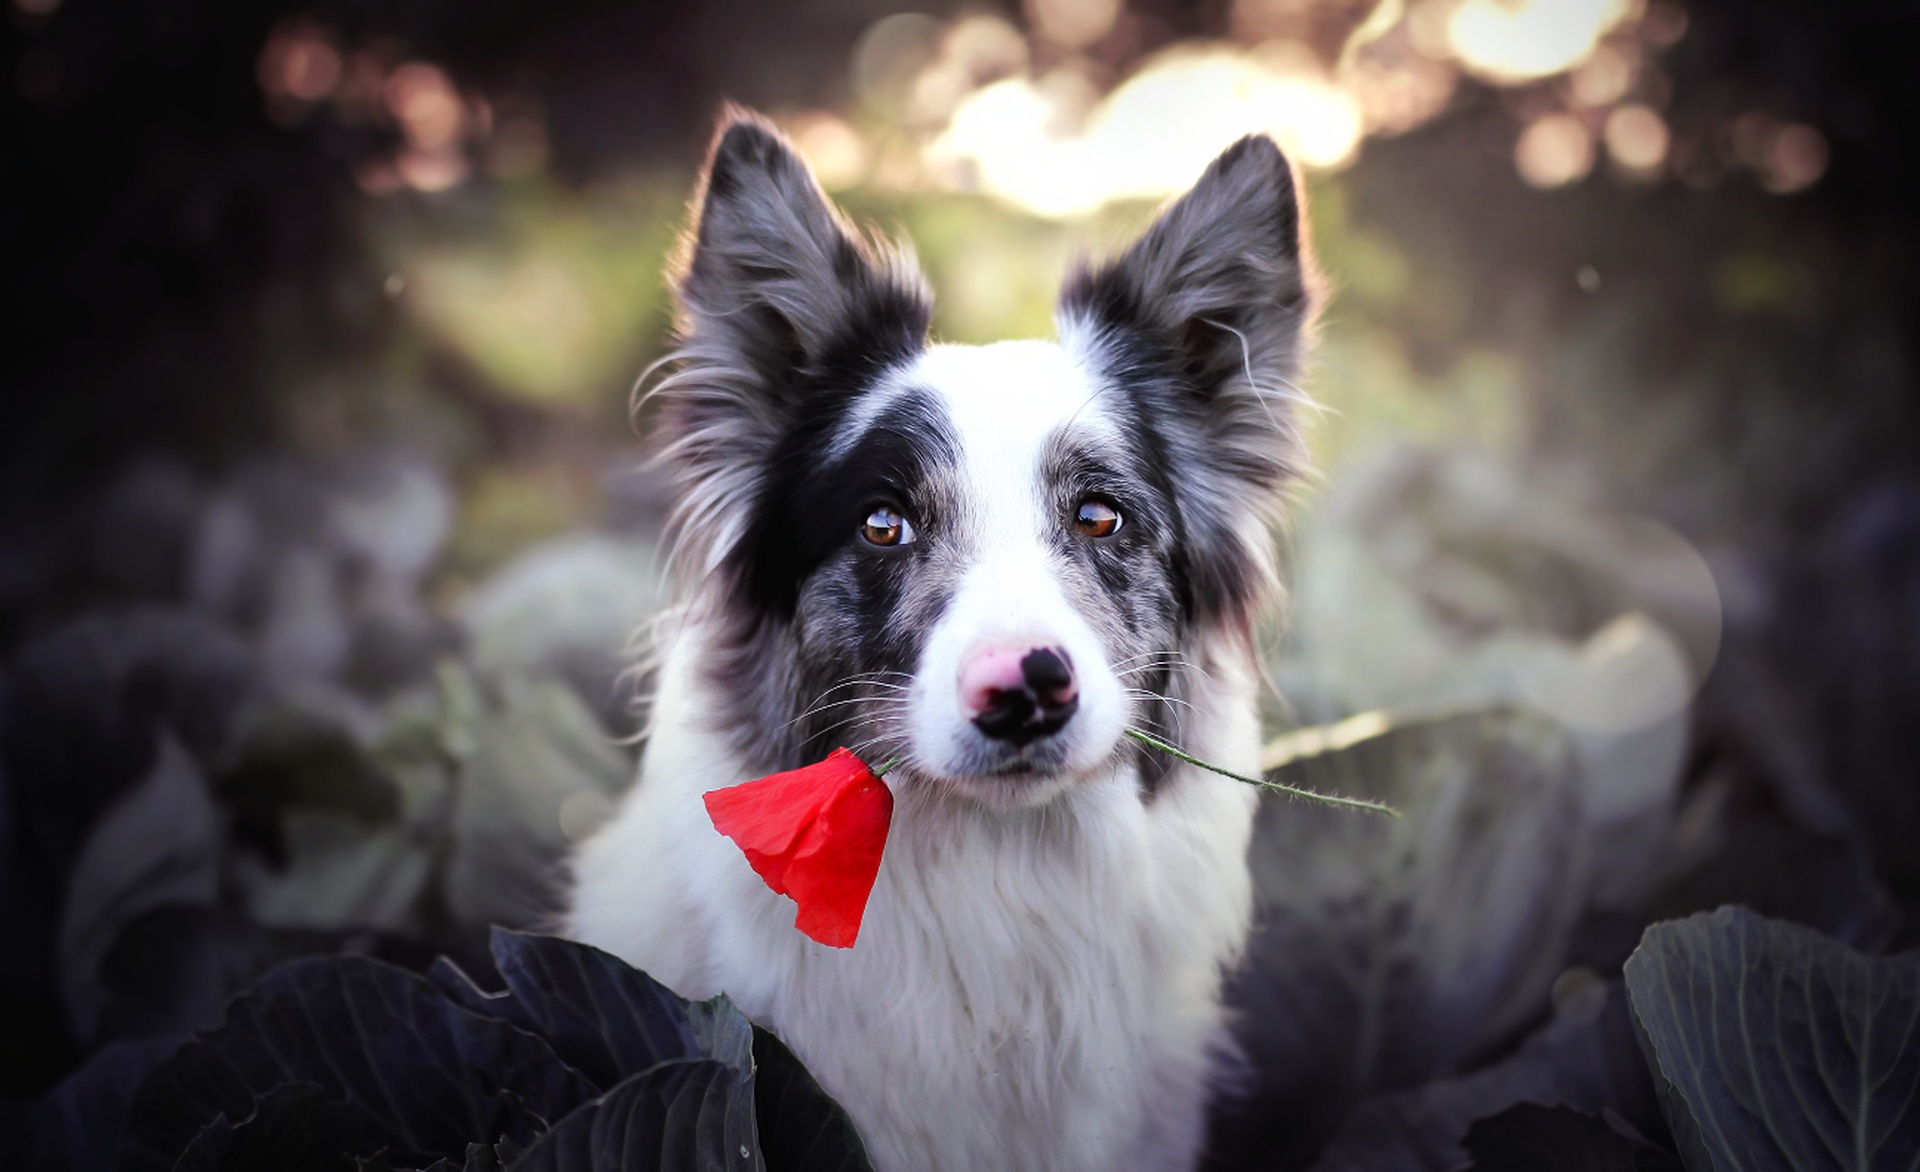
<point x="1019" y="694"/>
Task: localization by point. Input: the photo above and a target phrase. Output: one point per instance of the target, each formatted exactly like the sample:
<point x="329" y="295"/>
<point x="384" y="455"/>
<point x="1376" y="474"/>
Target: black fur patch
<point x="808" y="591"/>
<point x="807" y="508"/>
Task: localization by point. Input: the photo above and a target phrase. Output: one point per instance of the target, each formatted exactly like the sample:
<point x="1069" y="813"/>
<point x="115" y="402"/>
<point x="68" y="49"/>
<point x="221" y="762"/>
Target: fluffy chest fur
<point x="988" y="563"/>
<point x="1029" y="992"/>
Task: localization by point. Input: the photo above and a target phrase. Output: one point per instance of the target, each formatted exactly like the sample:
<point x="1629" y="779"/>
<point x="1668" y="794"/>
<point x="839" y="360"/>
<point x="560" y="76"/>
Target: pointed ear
<point x="779" y="299"/>
<point x="1218" y="289"/>
<point x="776" y="279"/>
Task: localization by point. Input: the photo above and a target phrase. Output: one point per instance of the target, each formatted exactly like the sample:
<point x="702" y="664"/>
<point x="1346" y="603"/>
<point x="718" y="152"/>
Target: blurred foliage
<point x="553" y="296"/>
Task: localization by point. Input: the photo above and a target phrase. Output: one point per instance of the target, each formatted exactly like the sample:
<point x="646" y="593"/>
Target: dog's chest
<point x="1030" y="990"/>
<point x="1025" y="1000"/>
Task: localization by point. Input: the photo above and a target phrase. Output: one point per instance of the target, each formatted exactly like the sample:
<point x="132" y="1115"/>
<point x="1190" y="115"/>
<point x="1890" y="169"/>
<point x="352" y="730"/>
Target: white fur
<point x="1004" y="401"/>
<point x="1036" y="983"/>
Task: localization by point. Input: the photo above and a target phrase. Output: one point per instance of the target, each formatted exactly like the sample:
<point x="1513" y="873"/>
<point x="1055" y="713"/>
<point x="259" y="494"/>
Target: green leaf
<point x="1777" y="1048"/>
<point x="302" y="750"/>
<point x="1389" y="951"/>
<point x="535" y="749"/>
<point x="339" y="873"/>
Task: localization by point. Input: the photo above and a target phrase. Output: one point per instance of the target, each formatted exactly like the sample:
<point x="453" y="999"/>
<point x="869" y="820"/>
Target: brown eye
<point x="888" y="526"/>
<point x="1097" y="518"/>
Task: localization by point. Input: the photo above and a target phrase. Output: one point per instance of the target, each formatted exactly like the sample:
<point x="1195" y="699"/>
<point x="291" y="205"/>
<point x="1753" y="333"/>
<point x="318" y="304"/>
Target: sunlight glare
<point x="1151" y="136"/>
<point x="1504" y="41"/>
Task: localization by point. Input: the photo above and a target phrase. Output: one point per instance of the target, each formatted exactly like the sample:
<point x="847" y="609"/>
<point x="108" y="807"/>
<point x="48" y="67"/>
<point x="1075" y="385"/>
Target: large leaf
<point x="293" y="1128"/>
<point x="694" y="1115"/>
<point x="801" y="1128"/>
<point x="73" y="1127"/>
<point x="340" y="873"/>
<point x="1389" y="951"/>
<point x="425" y="1071"/>
<point x="1447" y="581"/>
<point x="606" y="1018"/>
<point x="84" y="705"/>
<point x="539" y="747"/>
<point x="1529" y="1137"/>
<point x="172" y="970"/>
<point x="611" y="1021"/>
<point x="158" y="846"/>
<point x="1786" y="874"/>
<point x="568" y="608"/>
<point x="85" y="702"/>
<point x="1586" y="1057"/>
<point x="1777" y="1048"/>
<point x="306" y="748"/>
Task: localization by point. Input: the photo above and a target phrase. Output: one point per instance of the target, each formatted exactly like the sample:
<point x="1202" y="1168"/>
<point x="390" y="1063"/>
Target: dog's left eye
<point x="1097" y="518"/>
<point x="888" y="526"/>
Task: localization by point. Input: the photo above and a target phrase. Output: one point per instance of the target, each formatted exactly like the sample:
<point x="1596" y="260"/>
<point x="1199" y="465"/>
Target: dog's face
<point x="987" y="561"/>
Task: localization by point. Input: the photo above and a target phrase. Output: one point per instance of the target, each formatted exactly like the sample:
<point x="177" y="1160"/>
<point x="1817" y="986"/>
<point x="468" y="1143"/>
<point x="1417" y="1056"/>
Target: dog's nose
<point x="1019" y="694"/>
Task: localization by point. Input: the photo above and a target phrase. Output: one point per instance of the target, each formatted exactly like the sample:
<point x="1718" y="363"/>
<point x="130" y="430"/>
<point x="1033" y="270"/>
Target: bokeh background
<point x="324" y="524"/>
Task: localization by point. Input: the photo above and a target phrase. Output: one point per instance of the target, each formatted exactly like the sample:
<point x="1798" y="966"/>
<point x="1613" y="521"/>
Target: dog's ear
<point x="774" y="275"/>
<point x="1219" y="287"/>
<point x="777" y="296"/>
<point x="1205" y="317"/>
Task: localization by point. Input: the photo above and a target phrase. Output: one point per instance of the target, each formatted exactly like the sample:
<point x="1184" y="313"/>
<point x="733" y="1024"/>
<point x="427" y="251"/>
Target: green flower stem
<point x="880" y="770"/>
<point x="1372" y="807"/>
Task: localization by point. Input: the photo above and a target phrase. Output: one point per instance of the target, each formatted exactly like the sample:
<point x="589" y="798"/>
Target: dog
<point x="991" y="562"/>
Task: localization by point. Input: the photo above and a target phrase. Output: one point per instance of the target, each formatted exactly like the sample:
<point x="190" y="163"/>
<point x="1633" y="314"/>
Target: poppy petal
<point x="814" y="834"/>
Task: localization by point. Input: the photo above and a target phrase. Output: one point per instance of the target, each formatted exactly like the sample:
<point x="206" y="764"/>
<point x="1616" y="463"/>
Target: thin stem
<point x="880" y="770"/>
<point x="1153" y="742"/>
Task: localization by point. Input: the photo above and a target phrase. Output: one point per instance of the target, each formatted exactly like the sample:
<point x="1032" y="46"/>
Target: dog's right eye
<point x="1097" y="518"/>
<point x="888" y="526"/>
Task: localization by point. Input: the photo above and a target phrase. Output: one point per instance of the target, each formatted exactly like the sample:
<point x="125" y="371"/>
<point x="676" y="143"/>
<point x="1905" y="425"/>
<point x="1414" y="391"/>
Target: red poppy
<point x="815" y="835"/>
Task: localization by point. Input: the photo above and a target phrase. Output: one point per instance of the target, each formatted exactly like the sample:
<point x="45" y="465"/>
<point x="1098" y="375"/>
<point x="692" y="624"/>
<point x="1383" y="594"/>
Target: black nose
<point x="1038" y="709"/>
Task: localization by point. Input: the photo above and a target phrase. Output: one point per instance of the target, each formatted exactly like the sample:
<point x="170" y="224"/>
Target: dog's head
<point x="990" y="560"/>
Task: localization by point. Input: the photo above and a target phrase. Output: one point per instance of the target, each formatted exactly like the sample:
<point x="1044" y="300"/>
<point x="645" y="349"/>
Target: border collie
<point x="989" y="561"/>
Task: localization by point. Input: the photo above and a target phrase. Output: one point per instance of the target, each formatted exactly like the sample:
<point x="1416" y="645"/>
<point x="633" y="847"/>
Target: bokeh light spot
<point x="1602" y="79"/>
<point x="431" y="171"/>
<point x="1073" y="23"/>
<point x="1554" y="151"/>
<point x="1637" y="138"/>
<point x="1795" y="159"/>
<point x="423" y="101"/>
<point x="889" y="57"/>
<point x="1509" y="42"/>
<point x="834" y="149"/>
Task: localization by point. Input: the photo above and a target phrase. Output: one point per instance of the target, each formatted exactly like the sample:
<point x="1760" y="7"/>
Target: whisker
<point x="1161" y="697"/>
<point x="896" y="701"/>
<point x="1150" y="665"/>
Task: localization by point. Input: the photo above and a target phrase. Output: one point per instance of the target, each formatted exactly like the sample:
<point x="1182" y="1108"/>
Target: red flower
<point x="815" y="835"/>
